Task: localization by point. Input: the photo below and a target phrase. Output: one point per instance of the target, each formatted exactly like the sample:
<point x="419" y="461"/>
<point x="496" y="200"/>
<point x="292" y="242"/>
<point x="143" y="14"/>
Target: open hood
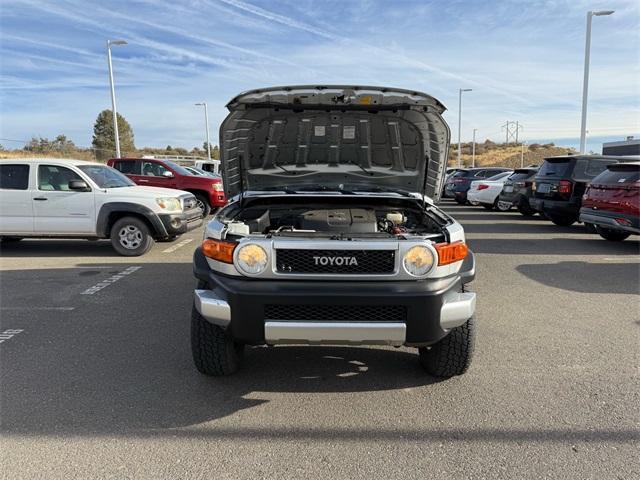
<point x="342" y="137"/>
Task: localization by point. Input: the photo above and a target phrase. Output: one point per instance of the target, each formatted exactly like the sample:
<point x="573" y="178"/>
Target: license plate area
<point x="508" y="189"/>
<point x="544" y="187"/>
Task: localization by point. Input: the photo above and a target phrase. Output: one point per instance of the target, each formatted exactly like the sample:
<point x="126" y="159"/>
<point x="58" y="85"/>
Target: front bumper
<point x="178" y="223"/>
<point x="608" y="220"/>
<point x="432" y="308"/>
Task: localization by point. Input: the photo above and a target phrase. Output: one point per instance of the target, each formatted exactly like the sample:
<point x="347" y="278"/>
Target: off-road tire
<point x="203" y="202"/>
<point x="214" y="351"/>
<point x="452" y="355"/>
<point x="144" y="242"/>
<point x="611" y="235"/>
<point x="562" y="220"/>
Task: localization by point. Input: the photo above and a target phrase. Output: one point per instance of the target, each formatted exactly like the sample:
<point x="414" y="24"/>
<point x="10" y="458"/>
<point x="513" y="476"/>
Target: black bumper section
<point x="178" y="223"/>
<point x="247" y="298"/>
<point x="566" y="208"/>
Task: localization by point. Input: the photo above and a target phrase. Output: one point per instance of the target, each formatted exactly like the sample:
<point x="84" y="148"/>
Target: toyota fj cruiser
<point x="332" y="235"/>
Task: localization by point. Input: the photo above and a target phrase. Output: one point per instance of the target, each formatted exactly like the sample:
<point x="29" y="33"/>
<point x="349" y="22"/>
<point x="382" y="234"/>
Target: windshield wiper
<point x="368" y="172"/>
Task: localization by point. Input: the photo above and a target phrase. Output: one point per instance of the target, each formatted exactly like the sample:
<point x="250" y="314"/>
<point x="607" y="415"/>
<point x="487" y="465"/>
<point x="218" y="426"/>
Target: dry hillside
<point x="492" y="154"/>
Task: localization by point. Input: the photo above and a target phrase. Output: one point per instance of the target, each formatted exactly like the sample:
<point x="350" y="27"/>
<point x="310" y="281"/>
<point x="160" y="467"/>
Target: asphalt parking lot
<point x="97" y="379"/>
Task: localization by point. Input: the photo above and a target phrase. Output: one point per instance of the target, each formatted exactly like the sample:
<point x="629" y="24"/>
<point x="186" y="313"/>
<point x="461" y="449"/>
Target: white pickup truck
<point x="61" y="198"/>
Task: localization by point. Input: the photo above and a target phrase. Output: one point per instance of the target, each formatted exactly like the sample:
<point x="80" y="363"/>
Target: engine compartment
<point x="339" y="217"/>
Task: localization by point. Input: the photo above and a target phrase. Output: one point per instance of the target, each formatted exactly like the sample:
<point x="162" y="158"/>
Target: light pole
<point x="473" y="149"/>
<point x="585" y="83"/>
<point x="113" y="94"/>
<point x="460" y="123"/>
<point x="206" y="122"/>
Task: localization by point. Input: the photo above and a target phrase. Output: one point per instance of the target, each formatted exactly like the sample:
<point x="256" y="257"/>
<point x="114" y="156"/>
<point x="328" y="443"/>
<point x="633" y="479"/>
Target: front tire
<point x="214" y="351"/>
<point x="452" y="355"/>
<point x="561" y="220"/>
<point x="612" y="235"/>
<point x="203" y="203"/>
<point x="131" y="237"/>
<point x="487" y="206"/>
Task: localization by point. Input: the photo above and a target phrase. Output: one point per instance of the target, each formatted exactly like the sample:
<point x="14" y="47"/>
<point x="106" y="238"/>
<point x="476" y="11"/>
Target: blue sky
<point x="523" y="60"/>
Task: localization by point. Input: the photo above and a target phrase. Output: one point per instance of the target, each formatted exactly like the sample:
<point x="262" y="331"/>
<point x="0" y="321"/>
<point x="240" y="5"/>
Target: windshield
<point x="178" y="168"/>
<point x="106" y="177"/>
<point x="617" y="177"/>
<point x="499" y="176"/>
<point x="555" y="168"/>
<point x="519" y="176"/>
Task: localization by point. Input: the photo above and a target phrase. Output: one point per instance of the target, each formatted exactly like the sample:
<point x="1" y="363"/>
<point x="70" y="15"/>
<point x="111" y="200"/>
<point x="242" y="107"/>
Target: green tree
<point x="215" y="151"/>
<point x="103" y="136"/>
<point x="61" y="145"/>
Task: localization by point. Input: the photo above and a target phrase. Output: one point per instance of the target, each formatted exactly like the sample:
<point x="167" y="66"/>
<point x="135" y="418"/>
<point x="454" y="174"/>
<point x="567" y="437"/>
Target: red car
<point x="154" y="172"/>
<point x="612" y="202"/>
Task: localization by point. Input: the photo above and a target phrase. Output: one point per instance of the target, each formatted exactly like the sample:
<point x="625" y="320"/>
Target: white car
<point x="61" y="198"/>
<point x="486" y="192"/>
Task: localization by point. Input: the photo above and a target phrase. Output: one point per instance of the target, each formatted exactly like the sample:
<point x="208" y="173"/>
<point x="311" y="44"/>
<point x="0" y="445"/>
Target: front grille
<point x="335" y="261"/>
<point x="346" y="313"/>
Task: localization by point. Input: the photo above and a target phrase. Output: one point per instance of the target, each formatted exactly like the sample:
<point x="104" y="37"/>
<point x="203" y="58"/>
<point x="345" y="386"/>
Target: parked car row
<point x="603" y="192"/>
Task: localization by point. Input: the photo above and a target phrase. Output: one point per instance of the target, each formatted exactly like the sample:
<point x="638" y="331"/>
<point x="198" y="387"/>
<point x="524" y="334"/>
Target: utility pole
<point x="113" y="94"/>
<point x="473" y="149"/>
<point x="206" y="123"/>
<point x="512" y="130"/>
<point x="506" y="127"/>
<point x="585" y="82"/>
<point x="460" y="90"/>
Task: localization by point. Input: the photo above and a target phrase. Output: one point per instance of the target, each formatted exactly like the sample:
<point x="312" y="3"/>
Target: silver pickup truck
<point x="332" y="235"/>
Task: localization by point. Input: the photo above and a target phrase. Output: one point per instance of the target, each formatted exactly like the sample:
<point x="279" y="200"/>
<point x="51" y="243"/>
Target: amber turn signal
<point x="218" y="250"/>
<point x="451" y="252"/>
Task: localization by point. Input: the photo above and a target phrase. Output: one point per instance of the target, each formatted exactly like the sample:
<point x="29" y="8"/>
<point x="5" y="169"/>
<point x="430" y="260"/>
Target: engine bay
<point x="332" y="219"/>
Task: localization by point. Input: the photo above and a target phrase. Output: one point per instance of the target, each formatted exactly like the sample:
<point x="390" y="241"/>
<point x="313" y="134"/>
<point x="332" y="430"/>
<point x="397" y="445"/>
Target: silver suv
<point x="332" y="235"/>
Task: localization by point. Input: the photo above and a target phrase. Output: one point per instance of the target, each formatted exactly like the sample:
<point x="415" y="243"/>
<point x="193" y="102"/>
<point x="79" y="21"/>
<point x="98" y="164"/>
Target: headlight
<point x="169" y="203"/>
<point x="252" y="259"/>
<point x="418" y="260"/>
<point x="217" y="187"/>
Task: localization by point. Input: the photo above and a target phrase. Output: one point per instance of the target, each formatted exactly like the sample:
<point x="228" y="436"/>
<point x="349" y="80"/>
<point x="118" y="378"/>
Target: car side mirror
<point x="79" y="186"/>
<point x="167" y="174"/>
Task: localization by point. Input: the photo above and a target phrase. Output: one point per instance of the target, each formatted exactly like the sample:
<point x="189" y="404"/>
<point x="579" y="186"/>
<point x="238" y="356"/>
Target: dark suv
<point x="612" y="202"/>
<point x="517" y="190"/>
<point x="458" y="184"/>
<point x="561" y="182"/>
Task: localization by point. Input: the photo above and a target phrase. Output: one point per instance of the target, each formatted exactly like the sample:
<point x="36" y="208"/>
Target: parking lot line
<point x="111" y="280"/>
<point x="19" y="309"/>
<point x="177" y="245"/>
<point x="7" y="334"/>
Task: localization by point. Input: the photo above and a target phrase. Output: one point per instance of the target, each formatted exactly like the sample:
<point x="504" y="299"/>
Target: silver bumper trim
<point x="366" y="333"/>
<point x="457" y="309"/>
<point x="212" y="308"/>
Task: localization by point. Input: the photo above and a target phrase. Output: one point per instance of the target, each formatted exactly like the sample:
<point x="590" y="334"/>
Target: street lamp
<point x="206" y="124"/>
<point x="113" y="94"/>
<point x="585" y="84"/>
<point x="460" y="123"/>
